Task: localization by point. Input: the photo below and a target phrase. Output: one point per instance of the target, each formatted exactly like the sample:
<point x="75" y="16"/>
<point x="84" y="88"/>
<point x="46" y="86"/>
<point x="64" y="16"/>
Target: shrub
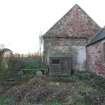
<point x="54" y="103"/>
<point x="12" y="72"/>
<point x="7" y="101"/>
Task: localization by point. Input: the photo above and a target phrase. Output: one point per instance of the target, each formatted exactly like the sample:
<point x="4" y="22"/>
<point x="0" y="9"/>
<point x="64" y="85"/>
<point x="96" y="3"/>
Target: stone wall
<point x="75" y="23"/>
<point x="68" y="37"/>
<point x="96" y="58"/>
<point x="70" y="47"/>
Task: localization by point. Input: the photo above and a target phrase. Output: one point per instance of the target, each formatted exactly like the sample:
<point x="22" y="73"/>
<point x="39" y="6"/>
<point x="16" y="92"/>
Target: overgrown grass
<point x="31" y="65"/>
<point x="89" y="87"/>
<point x="7" y="100"/>
<point x="92" y="80"/>
<point x="85" y="85"/>
<point x="54" y="103"/>
<point x="31" y="62"/>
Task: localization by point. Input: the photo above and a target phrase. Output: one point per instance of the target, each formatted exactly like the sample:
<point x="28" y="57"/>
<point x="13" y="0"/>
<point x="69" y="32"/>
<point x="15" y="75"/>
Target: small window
<point x="55" y="61"/>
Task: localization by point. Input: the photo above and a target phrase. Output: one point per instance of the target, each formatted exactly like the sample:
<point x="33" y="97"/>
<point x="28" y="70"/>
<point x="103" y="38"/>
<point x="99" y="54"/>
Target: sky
<point x="22" y="22"/>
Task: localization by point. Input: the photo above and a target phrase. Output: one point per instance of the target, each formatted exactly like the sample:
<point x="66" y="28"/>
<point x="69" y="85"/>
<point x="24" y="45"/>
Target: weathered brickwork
<point x="76" y="23"/>
<point x="96" y="58"/>
<point x="68" y="38"/>
<point x="62" y="44"/>
<point x="68" y="47"/>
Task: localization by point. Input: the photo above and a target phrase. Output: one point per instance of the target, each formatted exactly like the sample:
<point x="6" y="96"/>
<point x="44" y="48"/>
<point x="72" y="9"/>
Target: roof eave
<point x="94" y="42"/>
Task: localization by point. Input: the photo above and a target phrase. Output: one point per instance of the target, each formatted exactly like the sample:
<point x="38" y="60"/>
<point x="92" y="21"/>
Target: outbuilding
<point x="64" y="43"/>
<point x="96" y="53"/>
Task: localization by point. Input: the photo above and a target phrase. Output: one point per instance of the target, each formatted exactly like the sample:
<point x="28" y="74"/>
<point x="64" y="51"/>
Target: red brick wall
<point x="96" y="58"/>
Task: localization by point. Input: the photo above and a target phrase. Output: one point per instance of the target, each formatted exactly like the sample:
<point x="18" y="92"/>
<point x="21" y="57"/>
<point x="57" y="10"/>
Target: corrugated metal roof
<point x="99" y="36"/>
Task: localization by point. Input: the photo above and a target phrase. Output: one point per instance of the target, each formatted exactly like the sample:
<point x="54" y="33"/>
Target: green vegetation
<point x="53" y="103"/>
<point x="19" y="68"/>
<point x="31" y="65"/>
<point x="31" y="62"/>
<point x="89" y="89"/>
<point x="94" y="81"/>
<point x="7" y="100"/>
<point x="81" y="88"/>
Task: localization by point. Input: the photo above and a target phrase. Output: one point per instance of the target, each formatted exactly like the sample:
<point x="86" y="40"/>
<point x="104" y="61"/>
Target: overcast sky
<point x="22" y="21"/>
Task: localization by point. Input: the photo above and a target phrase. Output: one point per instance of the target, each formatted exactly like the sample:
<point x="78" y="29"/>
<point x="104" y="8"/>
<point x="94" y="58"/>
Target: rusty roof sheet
<point x="76" y="23"/>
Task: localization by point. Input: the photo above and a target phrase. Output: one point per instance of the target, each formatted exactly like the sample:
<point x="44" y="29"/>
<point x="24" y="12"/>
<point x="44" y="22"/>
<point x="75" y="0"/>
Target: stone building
<point x="64" y="43"/>
<point x="96" y="53"/>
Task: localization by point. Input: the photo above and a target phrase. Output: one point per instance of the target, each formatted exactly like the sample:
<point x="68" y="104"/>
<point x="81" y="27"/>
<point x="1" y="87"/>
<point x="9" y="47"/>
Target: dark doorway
<point x="60" y="66"/>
